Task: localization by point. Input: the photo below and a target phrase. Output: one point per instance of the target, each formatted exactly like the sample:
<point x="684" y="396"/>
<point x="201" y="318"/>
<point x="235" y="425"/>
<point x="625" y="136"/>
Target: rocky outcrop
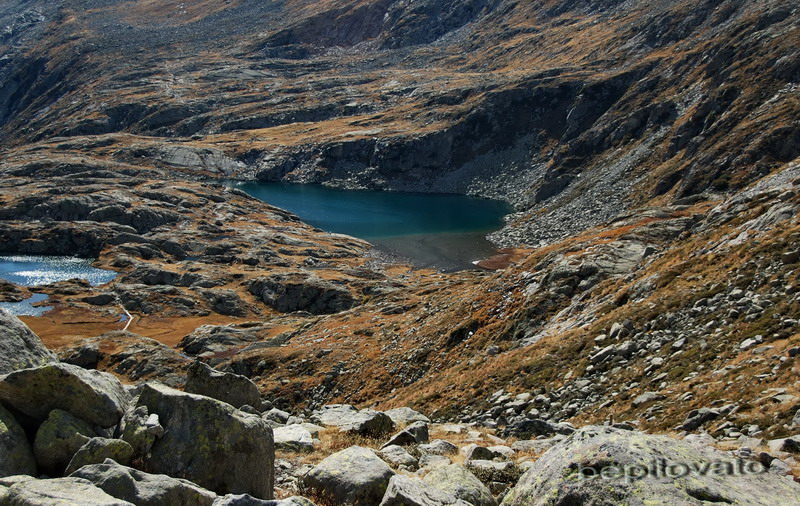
<point x="93" y="396"/>
<point x="607" y="465"/>
<point x="20" y="348"/>
<point x="234" y="389"/>
<point x="353" y="476"/>
<point x="302" y="292"/>
<point x="210" y="443"/>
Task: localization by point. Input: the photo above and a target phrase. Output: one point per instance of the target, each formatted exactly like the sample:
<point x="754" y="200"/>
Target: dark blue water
<point x="375" y="214"/>
<point x="28" y="270"/>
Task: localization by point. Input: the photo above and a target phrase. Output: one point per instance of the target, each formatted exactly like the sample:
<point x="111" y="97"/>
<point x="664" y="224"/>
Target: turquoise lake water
<point x="433" y="230"/>
<point x="377" y="214"/>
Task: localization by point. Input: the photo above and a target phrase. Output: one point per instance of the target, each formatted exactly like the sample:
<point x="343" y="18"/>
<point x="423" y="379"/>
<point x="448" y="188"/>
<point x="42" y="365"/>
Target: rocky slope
<point x="650" y="149"/>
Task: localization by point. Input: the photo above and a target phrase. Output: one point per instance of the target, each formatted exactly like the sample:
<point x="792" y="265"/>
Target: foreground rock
<point x="93" y="396"/>
<point x="366" y="422"/>
<point x="16" y="454"/>
<point x="604" y="465"/>
<point x="210" y="443"/>
<point x="353" y="476"/>
<point x="61" y="491"/>
<point x="97" y="450"/>
<point x="234" y="389"/>
<point x="58" y="439"/>
<point x="20" y="348"/>
<point x="141" y="488"/>
<point x="140" y="429"/>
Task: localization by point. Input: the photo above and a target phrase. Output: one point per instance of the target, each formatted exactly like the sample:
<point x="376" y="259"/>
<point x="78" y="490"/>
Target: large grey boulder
<point x="301" y="292"/>
<point x="234" y="389"/>
<point x="407" y="491"/>
<point x="60" y="491"/>
<point x="58" y="439"/>
<point x="93" y="396"/>
<point x="347" y="418"/>
<point x="210" y="443"/>
<point x="144" y="489"/>
<point x="355" y="476"/>
<point x="97" y="450"/>
<point x="462" y="484"/>
<point x="16" y="454"/>
<point x="20" y="348"/>
<point x="604" y="465"/>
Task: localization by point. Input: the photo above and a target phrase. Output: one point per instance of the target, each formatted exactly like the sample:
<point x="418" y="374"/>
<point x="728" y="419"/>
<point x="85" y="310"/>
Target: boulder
<point x="277" y="415"/>
<point x="475" y="452"/>
<point x="366" y="422"/>
<point x="247" y="500"/>
<point x="16" y="454"/>
<point x="210" y="443"/>
<point x="606" y="465"/>
<point x="353" y="476"/>
<point x="60" y="491"/>
<point x="398" y="456"/>
<point x="85" y="355"/>
<point x="288" y="293"/>
<point x="698" y="417"/>
<point x="462" y="484"/>
<point x="58" y="439"/>
<point x="439" y="447"/>
<point x="93" y="396"/>
<point x="20" y="348"/>
<point x="416" y="433"/>
<point x="527" y="428"/>
<point x="407" y="491"/>
<point x="406" y="415"/>
<point x="489" y="471"/>
<point x="141" y="488"/>
<point x="140" y="430"/>
<point x="97" y="450"/>
<point x="293" y="438"/>
<point x="234" y="389"/>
